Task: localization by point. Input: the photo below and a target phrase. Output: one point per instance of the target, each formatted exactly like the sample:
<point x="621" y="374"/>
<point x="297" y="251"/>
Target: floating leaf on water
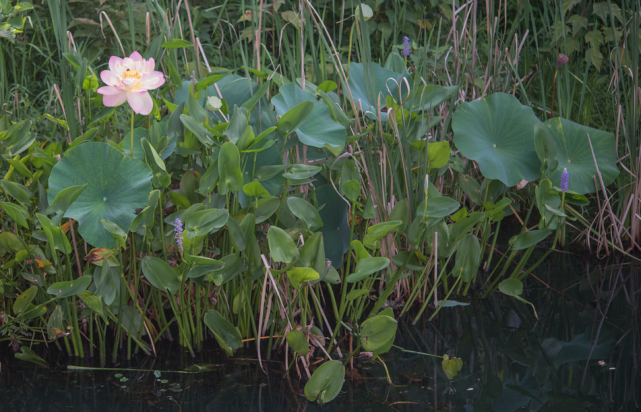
<point x="28" y="355"/>
<point x="451" y="367"/>
<point x="326" y="382"/>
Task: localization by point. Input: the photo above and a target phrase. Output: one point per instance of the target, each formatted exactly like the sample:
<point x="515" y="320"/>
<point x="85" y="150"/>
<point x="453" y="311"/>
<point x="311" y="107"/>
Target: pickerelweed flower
<point x="130" y="80"/>
<point x="565" y="180"/>
<point x="179" y="234"/>
<point x="406" y="46"/>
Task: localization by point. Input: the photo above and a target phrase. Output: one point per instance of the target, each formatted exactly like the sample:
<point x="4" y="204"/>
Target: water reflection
<point x="582" y="354"/>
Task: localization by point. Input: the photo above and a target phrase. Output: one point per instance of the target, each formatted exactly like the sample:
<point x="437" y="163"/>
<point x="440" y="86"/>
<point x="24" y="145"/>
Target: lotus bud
<point x="561" y="60"/>
<point x="365" y="10"/>
<point x="214" y="103"/>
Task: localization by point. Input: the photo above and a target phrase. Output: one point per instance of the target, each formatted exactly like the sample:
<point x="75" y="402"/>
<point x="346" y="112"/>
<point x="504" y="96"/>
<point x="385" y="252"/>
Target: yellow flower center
<point x="132" y="74"/>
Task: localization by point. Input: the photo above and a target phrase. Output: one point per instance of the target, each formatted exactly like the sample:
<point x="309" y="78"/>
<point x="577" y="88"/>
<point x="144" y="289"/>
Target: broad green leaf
<point x="17" y="191"/>
<point x="366" y="267"/>
<point x="17" y="213"/>
<point x="255" y="189"/>
<point x="92" y="302"/>
<point x="107" y="281"/>
<point x="299" y="275"/>
<point x="20" y="167"/>
<point x="545" y="146"/>
<point x="225" y="333"/>
<point x="326" y="382"/>
<point x="139" y="134"/>
<point x="298" y="342"/>
<point x="351" y="189"/>
<point x="356" y="293"/>
<point x="63" y="200"/>
<point x="320" y="128"/>
<point x="401" y="211"/>
<point x="116" y="187"/>
<point x="514" y="287"/>
<point x="498" y="132"/>
<point x="230" y="177"/>
<point x="312" y="255"/>
<point x="200" y="131"/>
<point x="335" y="228"/>
<point x="116" y="232"/>
<point x="295" y="117"/>
<point x="305" y="212"/>
<point x="71" y="288"/>
<point x="575" y="155"/>
<point x="468" y="255"/>
<point x="438" y="154"/>
<point x="528" y="239"/>
<point x="438" y="207"/>
<point x="54" y="323"/>
<point x="378" y="231"/>
<point x="202" y="266"/>
<point x="28" y="355"/>
<point x="281" y="245"/>
<point x="267" y="206"/>
<point x="465" y="224"/>
<point x="377" y="331"/>
<point x="202" y="222"/>
<point x="451" y="367"/>
<point x="160" y="274"/>
<point x="370" y="82"/>
<point x="23" y="301"/>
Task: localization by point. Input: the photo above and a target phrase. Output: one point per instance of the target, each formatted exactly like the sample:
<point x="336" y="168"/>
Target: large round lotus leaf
<point x="117" y="186"/>
<point x="573" y="153"/>
<point x="369" y="82"/>
<point x="498" y="132"/>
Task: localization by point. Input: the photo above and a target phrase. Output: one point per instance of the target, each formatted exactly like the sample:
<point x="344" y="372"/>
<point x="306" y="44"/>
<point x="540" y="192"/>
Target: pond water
<point x="581" y="355"/>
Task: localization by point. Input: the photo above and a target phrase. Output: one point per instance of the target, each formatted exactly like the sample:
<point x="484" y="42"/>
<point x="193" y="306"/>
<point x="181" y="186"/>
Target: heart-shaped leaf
<point x="326" y="382"/>
<point x="298" y="342"/>
<point x="281" y="245"/>
<point x="160" y="274"/>
<point x="366" y="267"/>
<point x="305" y="212"/>
<point x="377" y="331"/>
<point x="71" y="288"/>
<point x="225" y="333"/>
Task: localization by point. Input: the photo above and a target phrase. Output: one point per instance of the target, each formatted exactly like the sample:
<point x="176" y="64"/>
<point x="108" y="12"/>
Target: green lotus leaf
<point x="117" y="186"/>
<point x="574" y="154"/>
<point x="498" y="132"/>
<point x="369" y="81"/>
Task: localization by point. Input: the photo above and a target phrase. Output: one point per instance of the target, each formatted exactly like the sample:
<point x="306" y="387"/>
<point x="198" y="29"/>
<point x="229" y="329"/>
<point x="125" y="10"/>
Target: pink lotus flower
<point x="129" y="79"/>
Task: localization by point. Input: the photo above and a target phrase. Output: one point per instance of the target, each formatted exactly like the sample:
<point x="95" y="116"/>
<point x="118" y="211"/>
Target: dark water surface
<point x="582" y="355"/>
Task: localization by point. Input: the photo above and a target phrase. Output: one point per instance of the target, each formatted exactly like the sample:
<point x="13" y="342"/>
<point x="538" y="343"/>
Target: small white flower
<point x="214" y="103"/>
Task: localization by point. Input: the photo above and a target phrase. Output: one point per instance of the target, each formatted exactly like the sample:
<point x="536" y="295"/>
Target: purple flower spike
<point x="179" y="234"/>
<point x="565" y="180"/>
<point x="406" y="46"/>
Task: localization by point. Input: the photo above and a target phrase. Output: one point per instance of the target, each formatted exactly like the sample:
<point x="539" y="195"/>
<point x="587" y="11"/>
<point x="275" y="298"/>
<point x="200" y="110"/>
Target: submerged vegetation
<point x="300" y="175"/>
